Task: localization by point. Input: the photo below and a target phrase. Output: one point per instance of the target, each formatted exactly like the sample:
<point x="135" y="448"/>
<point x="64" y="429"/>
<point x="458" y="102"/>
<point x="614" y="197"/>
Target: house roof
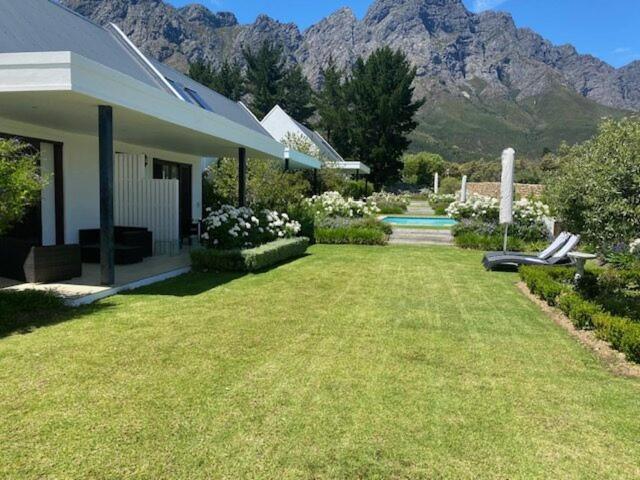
<point x="217" y="103"/>
<point x="45" y="26"/>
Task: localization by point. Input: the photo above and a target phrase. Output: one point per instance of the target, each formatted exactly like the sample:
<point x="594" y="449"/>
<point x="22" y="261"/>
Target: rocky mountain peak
<point x="199" y="14"/>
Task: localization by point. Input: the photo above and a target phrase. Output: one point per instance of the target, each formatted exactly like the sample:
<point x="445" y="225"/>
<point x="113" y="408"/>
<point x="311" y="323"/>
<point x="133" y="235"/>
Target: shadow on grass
<point x="196" y="283"/>
<point x="26" y="311"/>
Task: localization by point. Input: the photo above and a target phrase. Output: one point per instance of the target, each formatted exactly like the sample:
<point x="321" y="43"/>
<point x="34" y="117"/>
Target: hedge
<point x="551" y="284"/>
<point x="249" y="260"/>
<point x="351" y="235"/>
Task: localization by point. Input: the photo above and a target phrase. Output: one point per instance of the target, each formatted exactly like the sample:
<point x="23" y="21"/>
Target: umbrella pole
<point x="506" y="237"/>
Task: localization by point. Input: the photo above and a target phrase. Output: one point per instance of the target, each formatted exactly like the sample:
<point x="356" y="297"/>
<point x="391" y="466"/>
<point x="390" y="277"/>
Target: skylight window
<point x="195" y="96"/>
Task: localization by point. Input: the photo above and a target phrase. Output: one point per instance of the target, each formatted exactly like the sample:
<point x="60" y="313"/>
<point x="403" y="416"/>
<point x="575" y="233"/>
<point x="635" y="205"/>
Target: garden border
<point x="614" y="360"/>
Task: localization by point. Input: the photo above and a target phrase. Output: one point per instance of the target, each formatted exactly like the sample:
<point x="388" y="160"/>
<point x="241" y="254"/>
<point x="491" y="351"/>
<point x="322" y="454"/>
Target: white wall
<point x="81" y="178"/>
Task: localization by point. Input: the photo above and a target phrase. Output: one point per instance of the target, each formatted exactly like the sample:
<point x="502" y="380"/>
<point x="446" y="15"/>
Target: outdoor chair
<point x="560" y="257"/>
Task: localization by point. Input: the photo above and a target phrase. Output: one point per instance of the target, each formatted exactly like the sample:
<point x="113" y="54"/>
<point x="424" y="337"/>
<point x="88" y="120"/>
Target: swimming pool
<point x="421" y="221"/>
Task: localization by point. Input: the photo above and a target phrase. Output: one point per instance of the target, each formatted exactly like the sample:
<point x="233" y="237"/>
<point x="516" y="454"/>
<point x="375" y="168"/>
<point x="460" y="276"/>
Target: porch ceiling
<point x="78" y="113"/>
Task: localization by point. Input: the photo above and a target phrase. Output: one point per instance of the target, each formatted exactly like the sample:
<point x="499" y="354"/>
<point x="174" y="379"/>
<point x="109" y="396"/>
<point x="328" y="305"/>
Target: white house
<point x="123" y="138"/>
<point x="280" y="124"/>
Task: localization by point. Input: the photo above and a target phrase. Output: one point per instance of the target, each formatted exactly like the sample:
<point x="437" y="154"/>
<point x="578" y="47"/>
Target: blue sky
<point x="607" y="29"/>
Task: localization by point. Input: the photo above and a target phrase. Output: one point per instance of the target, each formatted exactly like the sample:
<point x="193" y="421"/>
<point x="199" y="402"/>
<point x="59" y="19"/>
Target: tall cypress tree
<point x="201" y="72"/>
<point x="382" y="112"/>
<point x="265" y="73"/>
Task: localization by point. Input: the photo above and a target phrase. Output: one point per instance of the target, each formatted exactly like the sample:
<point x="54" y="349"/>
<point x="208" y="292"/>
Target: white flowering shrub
<point x="480" y="215"/>
<point x="634" y="247"/>
<point x="390" y="203"/>
<point x="230" y="227"/>
<point x="332" y="204"/>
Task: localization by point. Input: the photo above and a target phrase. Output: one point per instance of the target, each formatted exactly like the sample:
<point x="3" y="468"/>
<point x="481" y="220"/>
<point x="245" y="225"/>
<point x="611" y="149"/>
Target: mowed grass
<point x="353" y="362"/>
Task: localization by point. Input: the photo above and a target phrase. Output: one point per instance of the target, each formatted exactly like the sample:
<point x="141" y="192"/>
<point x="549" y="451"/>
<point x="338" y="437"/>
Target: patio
<point x="87" y="289"/>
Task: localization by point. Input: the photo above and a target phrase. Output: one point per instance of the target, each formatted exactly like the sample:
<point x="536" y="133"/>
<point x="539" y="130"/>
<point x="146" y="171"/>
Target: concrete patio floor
<point x="87" y="289"/>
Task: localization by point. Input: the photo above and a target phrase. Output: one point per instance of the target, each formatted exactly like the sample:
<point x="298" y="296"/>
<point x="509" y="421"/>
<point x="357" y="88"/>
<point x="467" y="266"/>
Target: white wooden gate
<point x="148" y="203"/>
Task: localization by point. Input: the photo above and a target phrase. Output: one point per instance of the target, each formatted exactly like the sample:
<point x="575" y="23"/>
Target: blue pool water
<point x="421" y="221"/>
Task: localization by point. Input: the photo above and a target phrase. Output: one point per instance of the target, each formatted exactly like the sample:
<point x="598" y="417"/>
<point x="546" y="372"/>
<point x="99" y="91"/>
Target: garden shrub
<point x="596" y="191"/>
<point x="351" y="235"/>
<point x="420" y="168"/>
<point x="20" y="182"/>
<point x="389" y="203"/>
<point x="580" y="311"/>
<point x="545" y="282"/>
<point x="249" y="260"/>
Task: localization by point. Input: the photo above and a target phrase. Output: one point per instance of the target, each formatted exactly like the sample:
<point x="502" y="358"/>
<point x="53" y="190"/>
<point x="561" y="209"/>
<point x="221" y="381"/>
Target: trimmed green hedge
<point x="249" y="260"/>
<point x="478" y="241"/>
<point x="351" y="235"/>
<point x="552" y="285"/>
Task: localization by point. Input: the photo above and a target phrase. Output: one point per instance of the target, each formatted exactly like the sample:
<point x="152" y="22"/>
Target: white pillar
<point x="436" y="183"/>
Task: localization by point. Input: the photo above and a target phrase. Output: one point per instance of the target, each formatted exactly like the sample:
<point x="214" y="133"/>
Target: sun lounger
<point x="561" y="257"/>
<point x="556" y="245"/>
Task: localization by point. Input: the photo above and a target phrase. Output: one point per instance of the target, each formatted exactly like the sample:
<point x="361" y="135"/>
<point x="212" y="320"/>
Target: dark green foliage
<point x="297" y="95"/>
<point x="332" y="105"/>
<point x="391" y="208"/>
<point x="440" y="207"/>
<point x="546" y="283"/>
<point x="383" y="109"/>
<point x="228" y="80"/>
<point x="306" y="217"/>
<point x="450" y="185"/>
<point x="356" y="189"/>
<point x="249" y="260"/>
<point x="271" y="83"/>
<point x="265" y="73"/>
<point x="622" y="333"/>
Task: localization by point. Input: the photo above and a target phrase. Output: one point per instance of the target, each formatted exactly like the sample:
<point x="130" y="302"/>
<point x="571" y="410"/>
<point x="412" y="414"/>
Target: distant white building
<point x="280" y="124"/>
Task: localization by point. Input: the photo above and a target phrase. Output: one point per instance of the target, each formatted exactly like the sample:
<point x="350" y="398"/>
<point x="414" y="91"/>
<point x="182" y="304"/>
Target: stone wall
<point x="492" y="189"/>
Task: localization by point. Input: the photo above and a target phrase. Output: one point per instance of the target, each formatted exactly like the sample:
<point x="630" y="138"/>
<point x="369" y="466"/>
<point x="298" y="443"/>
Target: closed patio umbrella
<point x="506" y="191"/>
<point x="436" y="182"/>
<point x="463" y="190"/>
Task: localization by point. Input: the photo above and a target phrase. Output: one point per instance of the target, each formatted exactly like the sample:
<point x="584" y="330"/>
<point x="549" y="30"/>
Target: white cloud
<point x="482" y="5"/>
<point x="622" y="50"/>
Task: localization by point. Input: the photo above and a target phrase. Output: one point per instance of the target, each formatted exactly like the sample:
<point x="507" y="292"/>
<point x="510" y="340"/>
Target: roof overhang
<point x="62" y="90"/>
<point x="350" y="167"/>
<point x="301" y="161"/>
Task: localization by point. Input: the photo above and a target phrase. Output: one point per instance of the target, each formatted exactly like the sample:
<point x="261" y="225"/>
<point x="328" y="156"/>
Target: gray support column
<point x="105" y="158"/>
<point x="242" y="177"/>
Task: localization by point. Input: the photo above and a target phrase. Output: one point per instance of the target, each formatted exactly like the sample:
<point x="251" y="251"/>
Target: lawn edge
<point x="613" y="360"/>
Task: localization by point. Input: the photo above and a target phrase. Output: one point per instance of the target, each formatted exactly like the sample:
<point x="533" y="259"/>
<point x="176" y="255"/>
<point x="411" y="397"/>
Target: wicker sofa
<point x="27" y="261"/>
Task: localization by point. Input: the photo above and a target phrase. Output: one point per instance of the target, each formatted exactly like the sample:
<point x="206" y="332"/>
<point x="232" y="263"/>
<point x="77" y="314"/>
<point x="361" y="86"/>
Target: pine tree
<point x="201" y="72"/>
<point x="297" y="95"/>
<point x="382" y="112"/>
<point x="332" y="106"/>
<point x="229" y="81"/>
<point x="265" y="73"/>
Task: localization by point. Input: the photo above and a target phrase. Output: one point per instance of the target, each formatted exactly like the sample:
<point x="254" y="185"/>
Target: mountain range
<point x="488" y="83"/>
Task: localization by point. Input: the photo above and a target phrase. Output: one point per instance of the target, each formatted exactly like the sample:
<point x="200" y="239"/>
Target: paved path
<point x="420" y="236"/>
<point x="420" y="209"/>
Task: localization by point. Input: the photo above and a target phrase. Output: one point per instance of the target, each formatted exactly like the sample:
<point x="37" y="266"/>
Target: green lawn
<point x="353" y="362"/>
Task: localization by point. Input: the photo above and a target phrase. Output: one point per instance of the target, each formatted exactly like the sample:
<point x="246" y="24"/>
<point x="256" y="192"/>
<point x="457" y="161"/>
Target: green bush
<point x="391" y="209"/>
<point x="351" y="235"/>
<point x="420" y="168"/>
<point x="544" y="282"/>
<point x="581" y="312"/>
<point x="440" y="208"/>
<point x="623" y="334"/>
<point x="249" y="260"/>
<point x="597" y="189"/>
<point x="14" y="303"/>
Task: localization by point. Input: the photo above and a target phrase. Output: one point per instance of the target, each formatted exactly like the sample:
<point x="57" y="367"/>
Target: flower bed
<point x="478" y="225"/>
<point x="389" y="203"/>
<point x="250" y="259"/>
<point x="332" y="204"/>
<point x="233" y="228"/>
<point x="589" y="306"/>
<point x="440" y="202"/>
